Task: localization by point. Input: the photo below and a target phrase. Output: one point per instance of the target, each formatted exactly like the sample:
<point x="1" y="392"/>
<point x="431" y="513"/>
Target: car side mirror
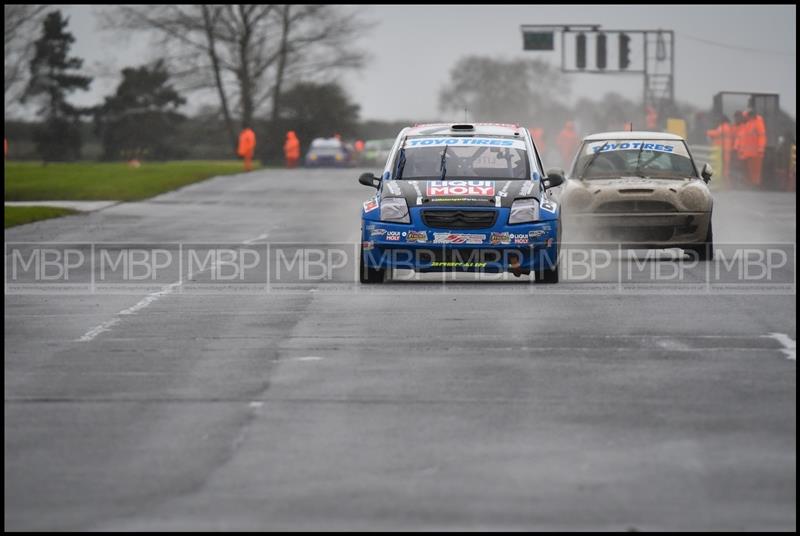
<point x="707" y="172"/>
<point x="555" y="177"/>
<point x="368" y="179"/>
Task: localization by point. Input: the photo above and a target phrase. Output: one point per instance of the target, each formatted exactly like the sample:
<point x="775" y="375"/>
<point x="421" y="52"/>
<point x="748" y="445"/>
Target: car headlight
<point x="694" y="198"/>
<point x="524" y="210"/>
<point x="578" y="199"/>
<point x="394" y="209"/>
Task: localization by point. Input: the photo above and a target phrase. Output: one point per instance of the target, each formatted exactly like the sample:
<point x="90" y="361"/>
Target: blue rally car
<point x="462" y="197"/>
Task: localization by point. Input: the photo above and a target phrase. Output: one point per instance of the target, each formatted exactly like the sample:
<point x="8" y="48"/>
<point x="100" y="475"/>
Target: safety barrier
<point x="711" y="154"/>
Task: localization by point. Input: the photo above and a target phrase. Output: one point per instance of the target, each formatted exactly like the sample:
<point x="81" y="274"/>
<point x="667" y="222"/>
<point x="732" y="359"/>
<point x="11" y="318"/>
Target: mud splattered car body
<point x="639" y="189"/>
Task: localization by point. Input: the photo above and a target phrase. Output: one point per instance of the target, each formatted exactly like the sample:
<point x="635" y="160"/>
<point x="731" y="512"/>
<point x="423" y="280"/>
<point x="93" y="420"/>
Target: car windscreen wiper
<point x="442" y="164"/>
<point x="401" y="160"/>
<point x="638" y="172"/>
<point x="591" y="159"/>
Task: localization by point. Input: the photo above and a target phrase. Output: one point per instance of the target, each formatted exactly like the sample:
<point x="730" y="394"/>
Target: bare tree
<point x="315" y="40"/>
<point x="247" y="52"/>
<point x="210" y="17"/>
<point x="21" y="21"/>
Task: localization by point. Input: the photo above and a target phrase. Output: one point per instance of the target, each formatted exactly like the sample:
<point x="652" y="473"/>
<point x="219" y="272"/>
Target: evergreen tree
<point x="141" y="119"/>
<point x="54" y="75"/>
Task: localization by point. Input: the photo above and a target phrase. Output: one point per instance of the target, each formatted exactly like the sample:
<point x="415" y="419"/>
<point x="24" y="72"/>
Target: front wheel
<point x="370" y="275"/>
<point x="705" y="249"/>
<point x="547" y="277"/>
<point x="550" y="276"/>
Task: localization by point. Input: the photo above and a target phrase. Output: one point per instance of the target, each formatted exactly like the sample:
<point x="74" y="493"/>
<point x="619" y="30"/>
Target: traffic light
<point x="580" y="48"/>
<point x="601" y="51"/>
<point x="624" y="51"/>
<point x="537" y="41"/>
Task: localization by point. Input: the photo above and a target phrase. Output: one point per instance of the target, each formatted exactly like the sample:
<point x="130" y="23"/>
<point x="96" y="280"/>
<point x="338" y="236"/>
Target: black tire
<point x="705" y="250"/>
<point x="547" y="277"/>
<point x="370" y="275"/>
<point x="550" y="276"/>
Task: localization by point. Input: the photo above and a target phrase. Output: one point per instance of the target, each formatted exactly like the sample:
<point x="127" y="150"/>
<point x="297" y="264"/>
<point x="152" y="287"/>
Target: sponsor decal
<point x="452" y="264"/>
<point x="458" y="238"/>
<point x="417" y="236"/>
<point x="393" y="235"/>
<point x="626" y="146"/>
<point x="549" y="206"/>
<point x="458" y="200"/>
<point x="454" y="188"/>
<point x="657" y="146"/>
<point x="377" y="232"/>
<point x="536" y="233"/>
<point x="527" y="189"/>
<point x="441" y="142"/>
<point x="367" y="246"/>
<point x="371" y="205"/>
<point x="500" y="238"/>
<point x="520" y="238"/>
<point x="393" y="188"/>
<point x="415" y="184"/>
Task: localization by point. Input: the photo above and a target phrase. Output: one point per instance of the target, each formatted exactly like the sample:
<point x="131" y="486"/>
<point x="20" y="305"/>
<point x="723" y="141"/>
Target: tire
<point x="369" y="275"/>
<point x="550" y="277"/>
<point x="547" y="277"/>
<point x="705" y="249"/>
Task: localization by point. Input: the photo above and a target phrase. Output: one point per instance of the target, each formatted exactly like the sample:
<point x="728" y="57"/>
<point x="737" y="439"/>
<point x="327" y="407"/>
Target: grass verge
<point x="106" y="181"/>
<point x="18" y="215"/>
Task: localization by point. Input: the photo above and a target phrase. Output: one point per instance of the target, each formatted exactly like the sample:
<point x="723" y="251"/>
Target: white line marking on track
<point x="97" y="330"/>
<point x="147" y="300"/>
<point x="789" y="345"/>
<point x="256" y="404"/>
<point x="256" y="239"/>
<point x="309" y="358"/>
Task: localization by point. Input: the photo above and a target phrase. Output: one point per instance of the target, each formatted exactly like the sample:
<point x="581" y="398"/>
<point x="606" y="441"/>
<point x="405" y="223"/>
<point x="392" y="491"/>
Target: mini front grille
<point x="459" y="219"/>
<point x="634" y="234"/>
<point x="635" y="206"/>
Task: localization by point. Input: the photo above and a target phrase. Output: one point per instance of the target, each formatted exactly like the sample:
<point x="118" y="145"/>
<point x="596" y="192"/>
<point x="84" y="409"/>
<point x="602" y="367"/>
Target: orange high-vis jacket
<point x="723" y="136"/>
<point x="291" y="149"/>
<point x="749" y="137"/>
<point x="760" y="133"/>
<point x="567" y="142"/>
<point x="247" y="143"/>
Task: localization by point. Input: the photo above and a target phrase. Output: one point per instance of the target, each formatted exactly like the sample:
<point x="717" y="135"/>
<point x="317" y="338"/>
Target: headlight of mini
<point x="395" y="209"/>
<point x="578" y="199"/>
<point x="694" y="198"/>
<point x="524" y="210"/>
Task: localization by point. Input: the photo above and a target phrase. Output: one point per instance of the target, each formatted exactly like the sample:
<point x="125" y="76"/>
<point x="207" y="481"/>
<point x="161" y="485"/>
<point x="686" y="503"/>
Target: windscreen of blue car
<point x="491" y="158"/>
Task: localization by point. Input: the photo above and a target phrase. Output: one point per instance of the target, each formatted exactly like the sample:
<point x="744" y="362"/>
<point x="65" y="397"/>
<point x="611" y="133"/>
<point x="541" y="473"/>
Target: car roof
<point x="632" y="135"/>
<point x="480" y="129"/>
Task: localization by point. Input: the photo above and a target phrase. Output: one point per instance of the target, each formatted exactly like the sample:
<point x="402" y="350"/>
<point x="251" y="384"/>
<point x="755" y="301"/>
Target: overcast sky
<point x="413" y="48"/>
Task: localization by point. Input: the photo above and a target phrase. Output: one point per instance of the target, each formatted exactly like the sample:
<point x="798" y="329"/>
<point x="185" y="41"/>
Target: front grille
<point x="459" y="219"/>
<point x="634" y="234"/>
<point x="624" y="207"/>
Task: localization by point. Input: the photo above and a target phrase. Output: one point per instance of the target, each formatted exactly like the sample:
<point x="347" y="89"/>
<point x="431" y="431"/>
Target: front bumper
<point x="502" y="248"/>
<point x="642" y="230"/>
<point x="325" y="161"/>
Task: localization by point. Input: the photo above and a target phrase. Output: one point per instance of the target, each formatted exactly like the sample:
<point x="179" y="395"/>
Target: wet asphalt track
<point x="416" y="405"/>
